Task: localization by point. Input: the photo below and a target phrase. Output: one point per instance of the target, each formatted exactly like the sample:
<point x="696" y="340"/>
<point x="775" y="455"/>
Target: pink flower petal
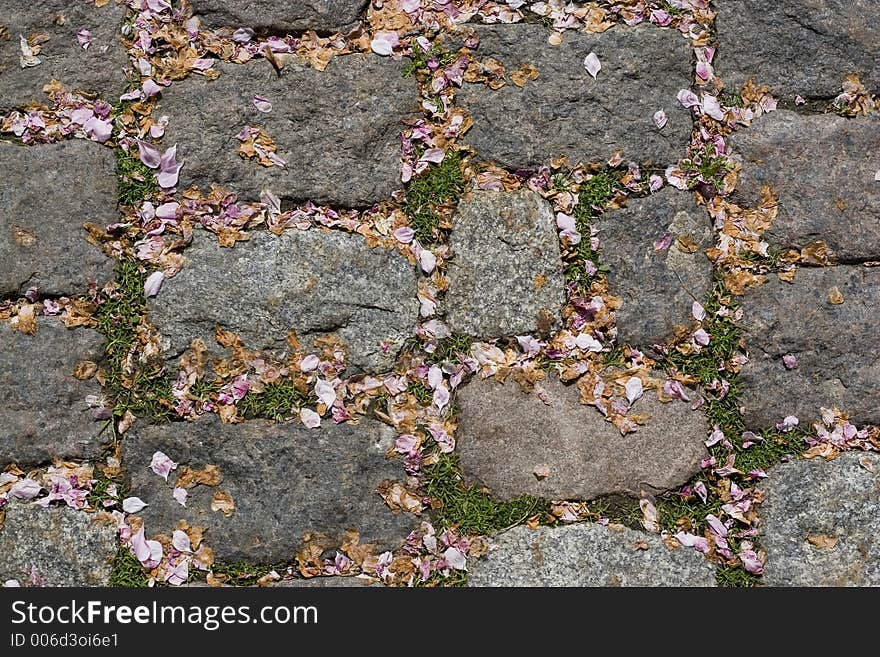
<point x="26" y="489"/>
<point x="149" y="155"/>
<point x="633" y="389"/>
<point x="325" y="392"/>
<point x="698" y="311"/>
<point x="454" y="557"/>
<point x="162" y="465"/>
<point x="592" y="64"/>
<point x="133" y="504"/>
<point x="84" y="37"/>
<point x="660" y="119"/>
<point x="180" y="541"/>
<point x="98" y="130"/>
<point x="384" y="43"/>
<point x="789" y="361"/>
<point x="262" y="104"/>
<point x="404" y="234"/>
<point x="427" y="261"/>
<point x="153" y="284"/>
<point x="310" y="363"/>
<point x="309" y="418"/>
<point x="180" y="495"/>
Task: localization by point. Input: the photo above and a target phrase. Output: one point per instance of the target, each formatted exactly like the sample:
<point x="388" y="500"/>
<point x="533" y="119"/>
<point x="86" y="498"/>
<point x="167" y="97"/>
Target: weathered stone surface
<point x="285" y="480"/>
<point x="797" y="46"/>
<point x="504" y="433"/>
<point x="56" y="546"/>
<point x="822" y="169"/>
<point x="586" y="555"/>
<point x="838" y="363"/>
<point x="44" y="414"/>
<point x="506" y="276"/>
<point x="337" y="130"/>
<point x="823" y="500"/>
<point x="327" y="583"/>
<point x="566" y="112"/>
<point x="314" y="282"/>
<point x="293" y="15"/>
<point x="658" y="288"/>
<point x="98" y="69"/>
<point x="48" y="193"/>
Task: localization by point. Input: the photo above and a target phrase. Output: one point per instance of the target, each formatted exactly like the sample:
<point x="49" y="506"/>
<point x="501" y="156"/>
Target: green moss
<point x="769" y="452"/>
<point x="135" y="181"/>
<point x="127" y="571"/>
<point x="243" y="573"/>
<point x="450" y="349"/>
<point x="594" y="196"/>
<point x="735" y="577"/>
<point x="419" y="59"/>
<point x="118" y="315"/>
<point x="421" y="392"/>
<point x="277" y="401"/>
<point x="469" y="509"/>
<point x="440" y="184"/>
<point x="710" y="168"/>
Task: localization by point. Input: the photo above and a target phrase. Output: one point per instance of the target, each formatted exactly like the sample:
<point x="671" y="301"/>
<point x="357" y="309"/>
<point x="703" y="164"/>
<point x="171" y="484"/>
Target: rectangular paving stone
<point x="44" y="414"/>
<point x="56" y="546"/>
<point x="292" y="15"/>
<point x="822" y="169"/>
<point x="835" y="345"/>
<point x="48" y="192"/>
<point x="99" y="69"/>
<point x="337" y="130"/>
<point x="804" y="47"/>
<point x="566" y="112"/>
<point x="657" y="287"/>
<point x="315" y="282"/>
<point x="504" y="434"/>
<point x="586" y="554"/>
<point x="285" y="480"/>
<point x="506" y="276"/>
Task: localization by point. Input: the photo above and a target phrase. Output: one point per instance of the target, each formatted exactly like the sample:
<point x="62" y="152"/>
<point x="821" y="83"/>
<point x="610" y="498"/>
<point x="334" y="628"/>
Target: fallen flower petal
<point x="660" y="119"/>
<point x="633" y="389"/>
<point x="309" y="418"/>
<point x="592" y="64"/>
<point x="133" y="504"/>
<point x="180" y="495"/>
<point x="26" y="489"/>
<point x="153" y="284"/>
<point x="162" y="465"/>
<point x="148" y="155"/>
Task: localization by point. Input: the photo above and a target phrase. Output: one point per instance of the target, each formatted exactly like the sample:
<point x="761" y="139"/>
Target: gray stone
<point x="44" y="414"/>
<point x="327" y="583"/>
<point x="48" y="193"/>
<point x="803" y="47"/>
<point x="504" y="433"/>
<point x="823" y="501"/>
<point x="587" y="555"/>
<point x="506" y="276"/>
<point x="315" y="282"/>
<point x="658" y="287"/>
<point x="285" y="480"/>
<point x="270" y="15"/>
<point x="338" y="129"/>
<point x="56" y="546"/>
<point x="98" y="70"/>
<point x="822" y="169"/>
<point x="838" y="363"/>
<point x="566" y="112"/>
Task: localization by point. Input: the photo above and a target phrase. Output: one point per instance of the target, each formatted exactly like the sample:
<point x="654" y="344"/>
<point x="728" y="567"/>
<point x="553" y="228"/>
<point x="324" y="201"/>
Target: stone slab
<point x="323" y="16"/>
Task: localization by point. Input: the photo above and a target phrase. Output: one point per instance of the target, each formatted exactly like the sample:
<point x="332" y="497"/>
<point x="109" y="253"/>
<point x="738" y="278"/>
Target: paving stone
<point x="658" y="287"/>
<point x="838" y="363"/>
<point x="338" y="130"/>
<point x="822" y="169"/>
<point x="587" y="555"/>
<point x="327" y="583"/>
<point x="821" y="501"/>
<point x="315" y="282"/>
<point x="98" y="69"/>
<point x="798" y="47"/>
<point x="504" y="433"/>
<point x="285" y="480"/>
<point x="506" y="276"/>
<point x="293" y="15"/>
<point x="566" y="112"/>
<point x="48" y="193"/>
<point x="56" y="546"/>
<point x="44" y="414"/>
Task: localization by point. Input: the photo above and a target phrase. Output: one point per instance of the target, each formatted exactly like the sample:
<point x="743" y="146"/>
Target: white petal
<point x="133" y="504"/>
<point x="592" y="64"/>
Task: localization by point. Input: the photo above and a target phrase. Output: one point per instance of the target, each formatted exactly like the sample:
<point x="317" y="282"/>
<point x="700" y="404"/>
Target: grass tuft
<point x="735" y="577"/>
<point x="593" y="197"/>
<point x="135" y="181"/>
<point x="277" y="401"/>
<point x="127" y="571"/>
<point x="441" y="184"/>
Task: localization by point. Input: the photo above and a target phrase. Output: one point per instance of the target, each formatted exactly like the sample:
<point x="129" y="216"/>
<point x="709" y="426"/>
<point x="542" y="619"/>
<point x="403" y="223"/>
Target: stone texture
<point x="587" y="555"/>
<point x="327" y="583"/>
<point x="816" y="498"/>
<point x="48" y="193"/>
<point x="801" y="47"/>
<point x="838" y="363"/>
<point x="98" y="70"/>
<point x="338" y="129"/>
<point x="566" y="112"/>
<point x="314" y="282"/>
<point x="273" y="16"/>
<point x="658" y="288"/>
<point x="285" y="479"/>
<point x="822" y="169"/>
<point x="56" y="546"/>
<point x="506" y="276"/>
<point x="44" y="414"/>
<point x="504" y="433"/>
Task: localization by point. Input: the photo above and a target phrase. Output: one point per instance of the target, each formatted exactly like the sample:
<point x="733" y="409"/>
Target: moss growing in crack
<point x="276" y="401"/>
<point x="709" y="167"/>
<point x="593" y="197"/>
<point x="468" y="508"/>
<point x="450" y="349"/>
<point x="119" y="313"/>
<point x="441" y="184"/>
<point x="243" y="573"/>
<point x="127" y="571"/>
<point x="735" y="577"/>
<point x="419" y="59"/>
<point x="421" y="392"/>
<point x="134" y="180"/>
<point x="772" y="450"/>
